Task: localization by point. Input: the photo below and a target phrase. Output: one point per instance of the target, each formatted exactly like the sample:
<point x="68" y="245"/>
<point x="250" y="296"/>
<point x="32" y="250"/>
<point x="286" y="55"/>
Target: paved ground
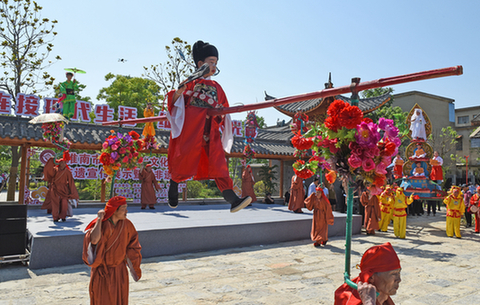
<point x="435" y="270"/>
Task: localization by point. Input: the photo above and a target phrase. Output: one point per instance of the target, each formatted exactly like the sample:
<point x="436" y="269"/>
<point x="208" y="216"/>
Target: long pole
<point x="382" y="82"/>
<point x="466" y="178"/>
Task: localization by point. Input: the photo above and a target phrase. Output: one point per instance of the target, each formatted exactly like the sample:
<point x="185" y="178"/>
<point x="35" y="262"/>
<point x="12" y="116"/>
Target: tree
<point x="129" y="91"/>
<point x="267" y="174"/>
<point x="26" y="43"/>
<point x="445" y="142"/>
<point x="177" y="68"/>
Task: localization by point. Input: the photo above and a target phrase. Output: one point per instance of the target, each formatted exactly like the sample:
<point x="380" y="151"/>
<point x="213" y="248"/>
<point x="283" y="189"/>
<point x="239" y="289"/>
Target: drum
<point x="474" y="209"/>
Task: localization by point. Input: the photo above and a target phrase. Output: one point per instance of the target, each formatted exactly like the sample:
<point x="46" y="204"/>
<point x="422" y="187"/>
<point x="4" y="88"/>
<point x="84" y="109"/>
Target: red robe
<point x="297" y="194"/>
<point x="437" y="171"/>
<point x="247" y="184"/>
<point x="118" y="248"/>
<point x="345" y="295"/>
<point x="189" y="154"/>
<point x="63" y="188"/>
<point x="322" y="215"/>
<point x="372" y="212"/>
<point x="475" y="200"/>
<point x="148" y="192"/>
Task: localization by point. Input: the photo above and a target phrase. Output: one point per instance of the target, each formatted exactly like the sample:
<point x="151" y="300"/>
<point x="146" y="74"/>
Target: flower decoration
<point x="248" y="152"/>
<point x="349" y="146"/>
<point x="121" y="151"/>
<point x="299" y="123"/>
<point x="149" y="142"/>
<point x="53" y="131"/>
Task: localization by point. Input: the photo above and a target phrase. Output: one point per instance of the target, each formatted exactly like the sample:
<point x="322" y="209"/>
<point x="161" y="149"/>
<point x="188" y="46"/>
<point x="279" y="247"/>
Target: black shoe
<point x="173" y="194"/>
<point x="55" y="220"/>
<point x="64" y="220"/>
<point x="142" y="208"/>
<point x="152" y="208"/>
<point x="235" y="201"/>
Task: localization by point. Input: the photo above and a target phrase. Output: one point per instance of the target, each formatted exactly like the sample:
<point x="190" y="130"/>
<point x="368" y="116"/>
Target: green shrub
<point x="194" y="188"/>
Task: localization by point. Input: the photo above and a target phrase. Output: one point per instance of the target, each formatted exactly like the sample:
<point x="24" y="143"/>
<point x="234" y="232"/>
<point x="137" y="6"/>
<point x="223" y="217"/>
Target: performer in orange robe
<point x="475" y="200"/>
<point x="322" y="216"/>
<point x="297" y="195"/>
<point x="109" y="247"/>
<point x="372" y="211"/>
<point x="196" y="147"/>
<point x="149" y="129"/>
<point x="63" y="189"/>
<point x="148" y="180"/>
<point x="398" y="169"/>
<point x="48" y="175"/>
<point x="437" y="171"/>
<point x="248" y="183"/>
<point x="379" y="272"/>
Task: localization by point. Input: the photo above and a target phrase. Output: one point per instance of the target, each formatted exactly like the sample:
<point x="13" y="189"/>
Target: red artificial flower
<point x="304" y="173"/>
<point x="301" y="143"/>
<point x="350" y="117"/>
<point x="379" y="180"/>
<point x="104" y="159"/>
<point x="331" y="176"/>
<point x="134" y="135"/>
<point x="332" y="123"/>
<point x="416" y="197"/>
<point x="367" y="120"/>
<point x="335" y="108"/>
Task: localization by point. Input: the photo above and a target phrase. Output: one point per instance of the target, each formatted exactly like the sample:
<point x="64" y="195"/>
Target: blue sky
<point x="283" y="47"/>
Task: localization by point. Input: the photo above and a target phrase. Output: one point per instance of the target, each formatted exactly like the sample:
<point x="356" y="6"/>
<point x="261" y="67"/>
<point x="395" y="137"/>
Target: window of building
<point x="459" y="144"/>
<point x="475" y="143"/>
<point x="463" y="119"/>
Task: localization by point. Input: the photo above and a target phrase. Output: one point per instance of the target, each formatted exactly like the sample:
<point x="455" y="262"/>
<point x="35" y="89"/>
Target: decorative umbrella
<point x="75" y="70"/>
<point x="48" y="118"/>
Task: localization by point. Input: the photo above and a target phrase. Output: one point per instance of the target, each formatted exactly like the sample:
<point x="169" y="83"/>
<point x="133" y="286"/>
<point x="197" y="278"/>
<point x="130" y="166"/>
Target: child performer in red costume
<point x="196" y="147"/>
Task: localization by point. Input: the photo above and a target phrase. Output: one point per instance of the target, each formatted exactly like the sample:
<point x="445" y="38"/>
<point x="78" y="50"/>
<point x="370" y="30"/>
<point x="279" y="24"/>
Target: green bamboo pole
<point x="348" y="237"/>
<point x="113" y="183"/>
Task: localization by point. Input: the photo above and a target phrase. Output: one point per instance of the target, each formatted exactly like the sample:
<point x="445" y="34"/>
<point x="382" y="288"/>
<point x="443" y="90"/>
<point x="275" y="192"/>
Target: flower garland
<point x="248" y="152"/>
<point x="121" y="151"/>
<point x="251" y="127"/>
<point x="348" y="145"/>
<point x="52" y="132"/>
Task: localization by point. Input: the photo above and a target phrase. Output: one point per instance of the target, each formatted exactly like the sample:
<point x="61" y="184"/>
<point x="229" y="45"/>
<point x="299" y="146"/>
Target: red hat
<point x="148" y="165"/>
<point x="378" y="259"/>
<point x="110" y="208"/>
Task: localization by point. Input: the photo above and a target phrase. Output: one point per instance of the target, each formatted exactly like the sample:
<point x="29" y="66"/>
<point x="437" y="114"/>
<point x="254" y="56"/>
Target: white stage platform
<point x="166" y="231"/>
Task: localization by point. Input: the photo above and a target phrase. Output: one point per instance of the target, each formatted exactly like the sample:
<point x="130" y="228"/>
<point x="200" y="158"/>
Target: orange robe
<point x="247" y="184"/>
<point x="372" y="212"/>
<point x="322" y="215"/>
<point x="63" y="188"/>
<point x="148" y="130"/>
<point x="48" y="175"/>
<point x="118" y="248"/>
<point x="345" y="295"/>
<point x="297" y="194"/>
<point x="148" y="181"/>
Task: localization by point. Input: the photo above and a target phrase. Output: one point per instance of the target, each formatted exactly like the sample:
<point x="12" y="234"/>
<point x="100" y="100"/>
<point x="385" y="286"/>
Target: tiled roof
<point x="366" y="105"/>
<point x="269" y="141"/>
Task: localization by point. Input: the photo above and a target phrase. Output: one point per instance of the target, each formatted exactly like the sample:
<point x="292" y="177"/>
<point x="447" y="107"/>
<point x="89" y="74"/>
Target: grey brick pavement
<point x="435" y="270"/>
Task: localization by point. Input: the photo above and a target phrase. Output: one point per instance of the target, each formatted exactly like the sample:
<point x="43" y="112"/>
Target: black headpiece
<point x="202" y="50"/>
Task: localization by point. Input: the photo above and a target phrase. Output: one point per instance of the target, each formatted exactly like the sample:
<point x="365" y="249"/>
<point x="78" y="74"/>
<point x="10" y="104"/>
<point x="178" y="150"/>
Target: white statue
<point x="417" y="125"/>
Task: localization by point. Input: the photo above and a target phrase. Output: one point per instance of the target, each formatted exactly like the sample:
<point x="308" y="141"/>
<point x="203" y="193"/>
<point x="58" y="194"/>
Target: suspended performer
<point x="196" y="148"/>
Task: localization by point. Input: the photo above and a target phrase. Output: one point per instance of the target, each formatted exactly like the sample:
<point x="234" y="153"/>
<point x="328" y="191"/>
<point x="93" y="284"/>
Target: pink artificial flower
<point x="375" y="190"/>
<point x="123" y="150"/>
<point x="125" y="160"/>
<point x="114" y="147"/>
<point x="368" y="165"/>
<point x="381" y="168"/>
<point x="367" y="135"/>
<point x="354" y="161"/>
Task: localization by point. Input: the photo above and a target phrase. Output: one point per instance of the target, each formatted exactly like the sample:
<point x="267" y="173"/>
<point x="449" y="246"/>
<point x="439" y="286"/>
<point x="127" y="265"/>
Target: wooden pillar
<point x="102" y="191"/>
<point x="22" y="177"/>
<point x="281" y="178"/>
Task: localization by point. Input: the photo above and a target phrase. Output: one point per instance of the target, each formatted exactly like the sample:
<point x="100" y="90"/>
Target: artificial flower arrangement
<point x="150" y="142"/>
<point x="53" y="131"/>
<point x="121" y="151"/>
<point x="348" y="145"/>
